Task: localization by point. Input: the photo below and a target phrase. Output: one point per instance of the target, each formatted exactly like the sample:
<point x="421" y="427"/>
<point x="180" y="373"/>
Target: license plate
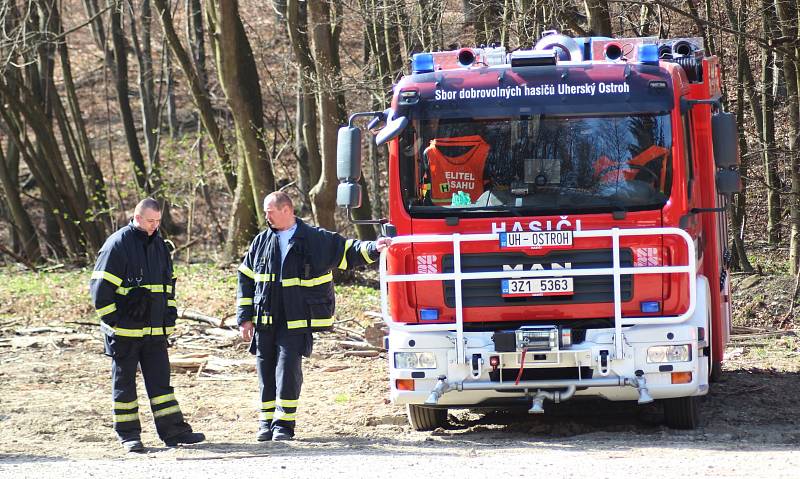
<point x="536" y="239"/>
<point x="513" y="288"/>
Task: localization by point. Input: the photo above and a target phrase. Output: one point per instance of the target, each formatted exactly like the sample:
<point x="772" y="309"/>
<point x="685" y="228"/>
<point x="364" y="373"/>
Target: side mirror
<point x="348" y="195"/>
<point x="348" y="154"/>
<point x="725" y="137"/>
<point x="393" y="128"/>
<point x="728" y="182"/>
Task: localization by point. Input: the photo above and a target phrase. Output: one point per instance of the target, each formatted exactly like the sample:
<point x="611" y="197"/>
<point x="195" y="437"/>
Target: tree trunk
<point x="198" y="90"/>
<point x="151" y="111"/>
<point x="96" y="187"/>
<point x="239" y="78"/>
<point x="791" y="71"/>
<point x="126" y="112"/>
<point x="597" y="17"/>
<point x="297" y="27"/>
<point x="300" y="148"/>
<point x="738" y="215"/>
<point x="323" y="195"/>
<point x="22" y="226"/>
<point x="768" y="129"/>
<point x="45" y="162"/>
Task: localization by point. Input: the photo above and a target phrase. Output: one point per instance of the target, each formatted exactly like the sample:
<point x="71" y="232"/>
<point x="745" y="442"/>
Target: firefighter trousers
<point x="279" y="358"/>
<point x="149" y="353"/>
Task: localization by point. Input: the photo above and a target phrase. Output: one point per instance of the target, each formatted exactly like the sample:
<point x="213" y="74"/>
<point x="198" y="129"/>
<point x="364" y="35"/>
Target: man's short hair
<point x="147" y="204"/>
<point x="280" y="198"/>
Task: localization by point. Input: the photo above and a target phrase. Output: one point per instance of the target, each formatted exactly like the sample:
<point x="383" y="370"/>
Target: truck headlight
<point x="415" y="360"/>
<point x="669" y="354"/>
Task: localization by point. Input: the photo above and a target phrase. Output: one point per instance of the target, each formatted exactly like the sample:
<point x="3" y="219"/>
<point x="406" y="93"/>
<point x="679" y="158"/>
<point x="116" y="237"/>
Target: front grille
<point x="541" y="374"/>
<point x="588" y="289"/>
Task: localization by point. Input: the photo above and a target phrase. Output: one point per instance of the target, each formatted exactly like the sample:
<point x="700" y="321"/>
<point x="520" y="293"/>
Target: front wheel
<point x="424" y="418"/>
<point x="682" y="413"/>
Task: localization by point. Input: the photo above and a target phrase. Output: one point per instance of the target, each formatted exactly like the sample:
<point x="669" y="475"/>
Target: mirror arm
<point x="362" y="114"/>
<point x="381" y="221"/>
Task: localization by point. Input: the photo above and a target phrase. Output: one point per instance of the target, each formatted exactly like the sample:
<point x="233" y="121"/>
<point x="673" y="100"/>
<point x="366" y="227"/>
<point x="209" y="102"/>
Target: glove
<point x="138" y="304"/>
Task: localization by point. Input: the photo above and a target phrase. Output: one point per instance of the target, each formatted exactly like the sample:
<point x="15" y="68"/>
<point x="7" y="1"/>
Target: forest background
<point x="208" y="105"/>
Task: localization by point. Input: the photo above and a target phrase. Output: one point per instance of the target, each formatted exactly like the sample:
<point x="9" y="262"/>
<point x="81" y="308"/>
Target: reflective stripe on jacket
<point x="307" y="284"/>
<point x="130" y="259"/>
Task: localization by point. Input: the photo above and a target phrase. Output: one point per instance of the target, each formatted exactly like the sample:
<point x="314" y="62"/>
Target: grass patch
<point x="63" y="296"/>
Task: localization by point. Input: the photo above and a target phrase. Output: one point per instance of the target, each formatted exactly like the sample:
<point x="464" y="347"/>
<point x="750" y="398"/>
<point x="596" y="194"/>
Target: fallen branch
<point x="184" y="246"/>
<point x="349" y="332"/>
<point x="220" y="457"/>
<point x="362" y="354"/>
<point x="185" y="313"/>
<point x="182" y="345"/>
<point x="362" y="346"/>
<point x="22" y="260"/>
<point x="785" y="332"/>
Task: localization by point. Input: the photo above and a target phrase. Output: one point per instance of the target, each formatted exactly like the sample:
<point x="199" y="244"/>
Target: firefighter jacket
<point x="128" y="260"/>
<point x="305" y="280"/>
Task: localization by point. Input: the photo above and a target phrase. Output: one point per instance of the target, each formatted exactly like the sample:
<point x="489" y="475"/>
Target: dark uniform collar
<point x="300" y="232"/>
<point x="142" y="235"/>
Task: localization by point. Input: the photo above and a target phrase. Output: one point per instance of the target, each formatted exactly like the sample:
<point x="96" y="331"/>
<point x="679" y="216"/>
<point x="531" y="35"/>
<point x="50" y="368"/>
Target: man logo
<point x="535" y="267"/>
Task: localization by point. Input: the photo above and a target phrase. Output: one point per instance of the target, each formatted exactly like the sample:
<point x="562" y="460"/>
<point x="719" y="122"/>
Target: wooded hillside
<point x="208" y="105"/>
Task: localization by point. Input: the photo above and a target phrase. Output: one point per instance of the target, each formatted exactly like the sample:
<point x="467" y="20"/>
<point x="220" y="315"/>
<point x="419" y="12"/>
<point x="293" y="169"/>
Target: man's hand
<point x="383" y="243"/>
<point x="247" y="331"/>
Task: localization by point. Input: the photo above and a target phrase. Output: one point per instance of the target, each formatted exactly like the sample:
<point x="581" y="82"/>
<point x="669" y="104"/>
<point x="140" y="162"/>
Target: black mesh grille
<point x="588" y="289"/>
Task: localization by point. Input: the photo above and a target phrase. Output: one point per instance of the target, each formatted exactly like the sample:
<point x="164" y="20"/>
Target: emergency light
<point x="650" y="306"/>
<point x="648" y="54"/>
<point x="428" y="314"/>
<point x="422" y="63"/>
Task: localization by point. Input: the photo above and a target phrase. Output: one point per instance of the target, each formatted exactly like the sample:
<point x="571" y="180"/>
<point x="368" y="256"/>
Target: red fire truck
<point x="559" y="225"/>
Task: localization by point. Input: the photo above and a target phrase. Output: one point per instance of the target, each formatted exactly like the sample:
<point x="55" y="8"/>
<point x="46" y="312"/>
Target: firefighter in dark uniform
<point x="133" y="289"/>
<point x="285" y="293"/>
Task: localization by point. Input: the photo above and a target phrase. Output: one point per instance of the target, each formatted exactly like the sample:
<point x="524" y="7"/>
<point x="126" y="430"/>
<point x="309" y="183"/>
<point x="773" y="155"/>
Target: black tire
<point x="714" y="367"/>
<point x="715" y="371"/>
<point x="424" y="418"/>
<point x="682" y="413"/>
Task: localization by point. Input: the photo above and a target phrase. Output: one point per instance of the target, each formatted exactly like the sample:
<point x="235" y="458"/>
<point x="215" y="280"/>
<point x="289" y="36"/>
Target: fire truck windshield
<point x="536" y="164"/>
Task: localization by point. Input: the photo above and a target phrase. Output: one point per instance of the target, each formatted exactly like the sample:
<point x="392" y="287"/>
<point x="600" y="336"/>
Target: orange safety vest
<point x="608" y="171"/>
<point x="450" y="174"/>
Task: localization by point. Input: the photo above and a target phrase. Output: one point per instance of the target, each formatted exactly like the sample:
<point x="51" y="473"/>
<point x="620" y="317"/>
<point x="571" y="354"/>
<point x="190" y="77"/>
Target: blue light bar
<point x="648" y="54"/>
<point x="422" y="63"/>
<point x="426" y="314"/>
<point x="650" y="306"/>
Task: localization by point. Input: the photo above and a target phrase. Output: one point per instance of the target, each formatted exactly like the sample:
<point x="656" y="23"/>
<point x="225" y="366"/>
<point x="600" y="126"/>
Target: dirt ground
<point x="55" y="411"/>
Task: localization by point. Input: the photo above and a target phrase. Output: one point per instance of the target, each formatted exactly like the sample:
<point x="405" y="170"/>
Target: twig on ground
<point x="349" y="332"/>
<point x="185" y="313"/>
<point x="184" y="246"/>
<point x="220" y="457"/>
<point x="360" y="345"/>
<point x="784" y="332"/>
<point x="362" y="354"/>
<point x="199" y="348"/>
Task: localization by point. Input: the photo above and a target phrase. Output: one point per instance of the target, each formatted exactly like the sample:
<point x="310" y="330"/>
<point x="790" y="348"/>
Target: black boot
<point x="185" y="438"/>
<point x="133" y="445"/>
<point x="280" y="433"/>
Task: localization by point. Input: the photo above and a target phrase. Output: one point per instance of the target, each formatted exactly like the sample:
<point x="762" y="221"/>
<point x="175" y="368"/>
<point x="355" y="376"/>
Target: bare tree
<point x="325" y="51"/>
<point x="198" y="90"/>
<point x="240" y="80"/>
